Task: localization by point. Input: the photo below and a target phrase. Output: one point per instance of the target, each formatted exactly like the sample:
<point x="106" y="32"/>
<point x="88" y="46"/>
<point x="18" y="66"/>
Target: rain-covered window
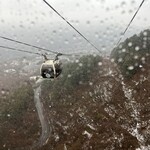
<point x="74" y="75"/>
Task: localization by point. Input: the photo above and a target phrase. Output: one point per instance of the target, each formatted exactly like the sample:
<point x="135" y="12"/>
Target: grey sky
<point x="101" y="21"/>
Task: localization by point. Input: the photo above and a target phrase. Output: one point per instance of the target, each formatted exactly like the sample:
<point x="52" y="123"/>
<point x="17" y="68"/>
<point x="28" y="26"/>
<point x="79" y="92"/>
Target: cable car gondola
<point x="51" y="68"/>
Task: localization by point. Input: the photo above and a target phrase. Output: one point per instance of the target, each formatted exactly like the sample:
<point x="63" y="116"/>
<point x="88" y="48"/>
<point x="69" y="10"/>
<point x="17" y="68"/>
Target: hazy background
<point x="101" y="21"/>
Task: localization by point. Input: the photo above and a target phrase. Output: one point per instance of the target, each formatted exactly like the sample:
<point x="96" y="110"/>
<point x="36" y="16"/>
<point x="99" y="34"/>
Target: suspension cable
<point x="23" y="43"/>
<point x="25" y="51"/>
<point x="130" y="23"/>
<point x="19" y="50"/>
<point x="71" y="26"/>
<point x="33" y="46"/>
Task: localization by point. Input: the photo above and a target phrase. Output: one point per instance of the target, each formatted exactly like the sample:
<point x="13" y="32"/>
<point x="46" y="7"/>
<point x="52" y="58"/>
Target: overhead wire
<point x="19" y="50"/>
<point x="37" y="47"/>
<point x="23" y="43"/>
<point x="33" y="46"/>
<point x="44" y="49"/>
<point x="130" y="23"/>
<point x="71" y="26"/>
<point x="29" y="52"/>
<point x="54" y="52"/>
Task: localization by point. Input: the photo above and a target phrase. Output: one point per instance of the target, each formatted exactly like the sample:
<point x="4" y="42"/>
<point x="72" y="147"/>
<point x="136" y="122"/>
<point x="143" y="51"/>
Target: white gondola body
<point x="51" y="69"/>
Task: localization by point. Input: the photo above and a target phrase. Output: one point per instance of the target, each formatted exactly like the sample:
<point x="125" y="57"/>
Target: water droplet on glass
<point x="66" y="42"/>
<point x="145" y="33"/>
<point x="136" y="57"/>
<point x="133" y="2"/>
<point x="100" y="63"/>
<point x="2" y="92"/>
<point x="2" y="21"/>
<point x="130" y="11"/>
<point x="69" y="75"/>
<point x="74" y="37"/>
<point x="80" y="64"/>
<point x="123" y="3"/>
<point x="120" y="60"/>
<point x="130" y="44"/>
<point x="120" y="46"/>
<point x="124" y="50"/>
<point x="90" y="83"/>
<point x="123" y="12"/>
<point x="77" y="60"/>
<point x="112" y="60"/>
<point x="130" y="67"/>
<point x="137" y="48"/>
<point x="88" y="22"/>
<point x="8" y="115"/>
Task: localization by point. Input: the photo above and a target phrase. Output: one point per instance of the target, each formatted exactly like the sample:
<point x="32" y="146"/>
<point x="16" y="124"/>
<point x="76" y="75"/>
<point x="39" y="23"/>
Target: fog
<point x="101" y="21"/>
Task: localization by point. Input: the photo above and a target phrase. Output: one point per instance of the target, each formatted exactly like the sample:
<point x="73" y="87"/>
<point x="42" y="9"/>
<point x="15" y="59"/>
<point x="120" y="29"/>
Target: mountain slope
<point x="93" y="105"/>
<point x="133" y="53"/>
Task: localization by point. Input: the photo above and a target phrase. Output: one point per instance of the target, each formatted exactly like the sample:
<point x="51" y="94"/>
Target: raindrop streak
<point x="46" y="130"/>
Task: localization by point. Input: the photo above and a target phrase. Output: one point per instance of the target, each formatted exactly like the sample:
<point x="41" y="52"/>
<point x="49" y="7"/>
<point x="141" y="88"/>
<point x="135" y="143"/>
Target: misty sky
<point x="101" y="21"/>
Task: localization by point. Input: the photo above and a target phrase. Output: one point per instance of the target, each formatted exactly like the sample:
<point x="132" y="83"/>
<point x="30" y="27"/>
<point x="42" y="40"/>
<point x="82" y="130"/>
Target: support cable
<point x="130" y="23"/>
<point x="71" y="26"/>
<point x="20" y="50"/>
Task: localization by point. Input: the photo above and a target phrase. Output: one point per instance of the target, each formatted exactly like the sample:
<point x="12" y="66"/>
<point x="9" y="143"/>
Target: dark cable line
<point x="129" y="23"/>
<point x="25" y="51"/>
<point x="37" y="47"/>
<point x="44" y="49"/>
<point x="23" y="43"/>
<point x="33" y="46"/>
<point x="71" y="25"/>
<point x="54" y="52"/>
<point x="19" y="50"/>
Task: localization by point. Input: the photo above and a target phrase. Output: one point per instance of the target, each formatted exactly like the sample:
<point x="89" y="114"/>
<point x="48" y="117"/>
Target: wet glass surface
<point x="100" y="100"/>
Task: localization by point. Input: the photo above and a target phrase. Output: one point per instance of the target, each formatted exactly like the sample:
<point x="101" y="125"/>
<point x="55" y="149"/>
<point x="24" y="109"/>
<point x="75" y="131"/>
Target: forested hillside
<point x="132" y="54"/>
<point x="96" y="104"/>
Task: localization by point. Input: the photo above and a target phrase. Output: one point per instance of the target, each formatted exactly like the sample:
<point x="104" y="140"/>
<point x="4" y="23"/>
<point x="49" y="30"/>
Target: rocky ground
<point x="108" y="112"/>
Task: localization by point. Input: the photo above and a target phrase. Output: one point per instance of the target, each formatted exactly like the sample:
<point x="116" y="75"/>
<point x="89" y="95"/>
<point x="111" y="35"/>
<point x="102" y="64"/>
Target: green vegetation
<point x="16" y="106"/>
<point x="17" y="103"/>
<point x="79" y="72"/>
<point x="132" y="53"/>
<point x="75" y="73"/>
